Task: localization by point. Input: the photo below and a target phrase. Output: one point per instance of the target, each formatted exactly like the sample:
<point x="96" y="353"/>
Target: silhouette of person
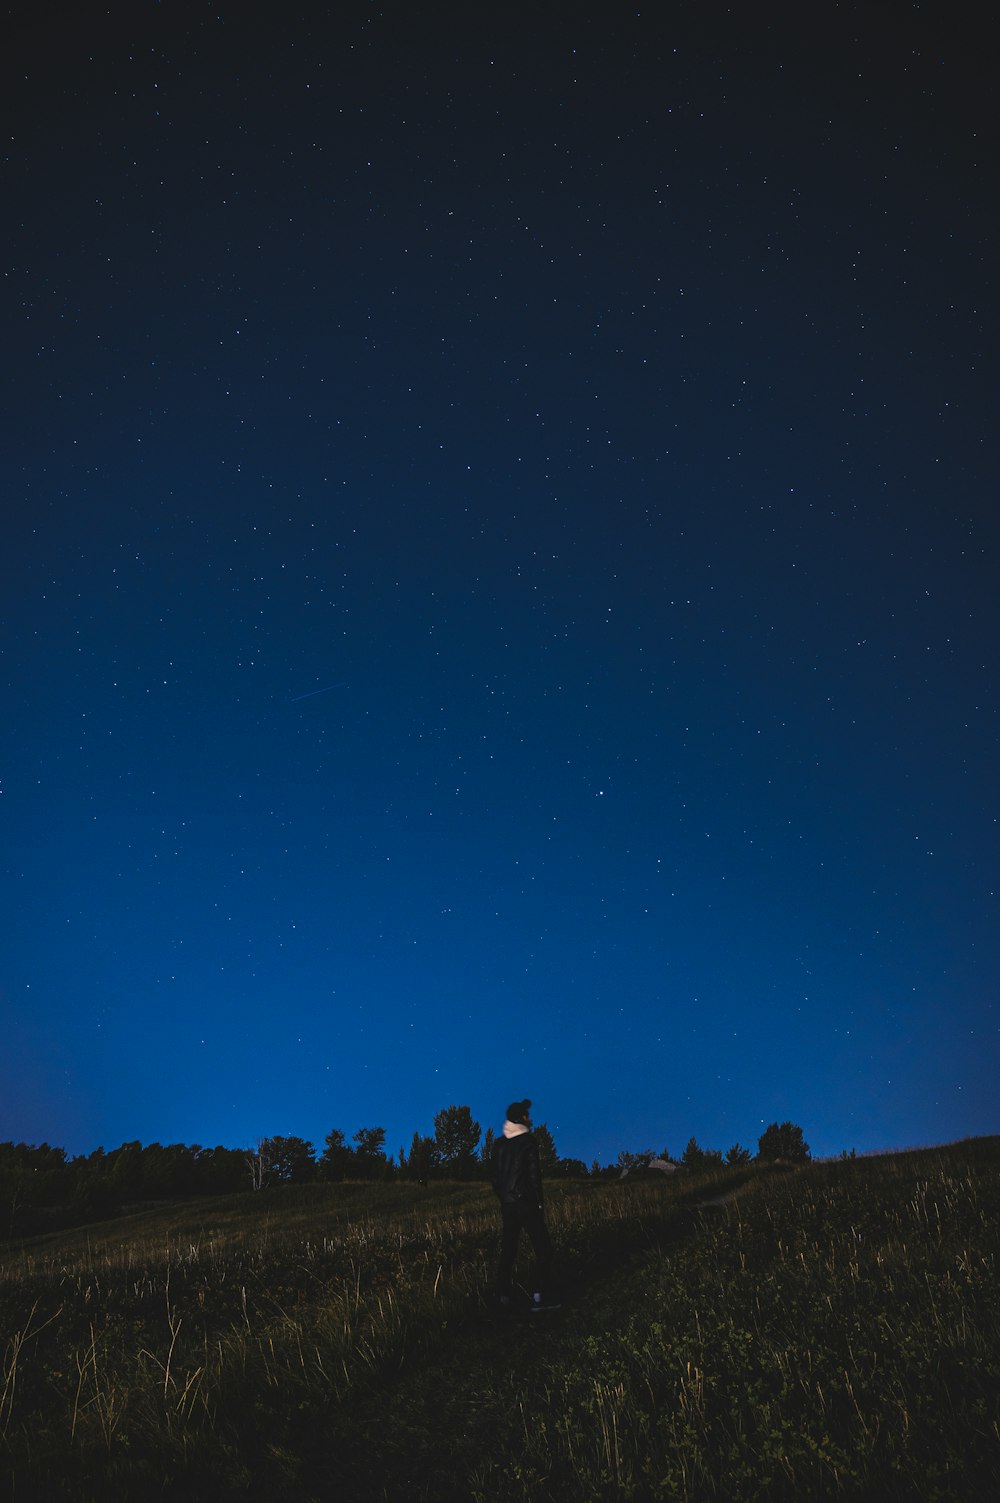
<point x="517" y="1180"/>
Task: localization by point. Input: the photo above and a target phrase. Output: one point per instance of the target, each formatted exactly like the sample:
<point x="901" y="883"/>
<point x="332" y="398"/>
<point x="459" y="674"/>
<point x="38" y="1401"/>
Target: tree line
<point x="41" y="1188"/>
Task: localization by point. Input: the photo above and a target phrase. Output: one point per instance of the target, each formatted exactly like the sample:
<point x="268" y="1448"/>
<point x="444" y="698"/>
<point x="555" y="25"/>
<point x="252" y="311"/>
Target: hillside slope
<point x="832" y="1331"/>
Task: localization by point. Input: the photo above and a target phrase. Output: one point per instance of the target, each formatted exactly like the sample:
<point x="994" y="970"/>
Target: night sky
<point x="498" y="573"/>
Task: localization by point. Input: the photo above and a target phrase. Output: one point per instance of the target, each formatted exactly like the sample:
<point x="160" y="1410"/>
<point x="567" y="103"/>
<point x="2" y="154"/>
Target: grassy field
<point x="831" y="1331"/>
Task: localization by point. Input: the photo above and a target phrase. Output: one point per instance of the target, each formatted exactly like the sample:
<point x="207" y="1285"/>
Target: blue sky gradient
<point x="499" y="590"/>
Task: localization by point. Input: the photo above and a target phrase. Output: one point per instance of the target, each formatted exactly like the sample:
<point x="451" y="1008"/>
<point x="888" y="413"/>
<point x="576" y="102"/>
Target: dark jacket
<point x="517" y="1174"/>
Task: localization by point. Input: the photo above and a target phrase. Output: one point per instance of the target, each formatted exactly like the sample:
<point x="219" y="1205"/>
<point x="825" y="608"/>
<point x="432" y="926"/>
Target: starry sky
<point x="498" y="580"/>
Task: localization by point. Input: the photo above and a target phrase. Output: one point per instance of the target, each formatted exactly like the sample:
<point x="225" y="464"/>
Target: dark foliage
<point x="783" y="1141"/>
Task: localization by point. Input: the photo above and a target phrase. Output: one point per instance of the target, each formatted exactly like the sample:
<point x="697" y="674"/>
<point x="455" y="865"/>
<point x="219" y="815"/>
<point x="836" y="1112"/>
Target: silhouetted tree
<point x="30" y="1177"/>
<point x="628" y="1163"/>
<point x="456" y="1138"/>
<point x="783" y="1141"/>
<point x="696" y="1157"/>
<point x="94" y="1198"/>
<point x="486" y="1153"/>
<point x="125" y="1170"/>
<point x="258" y="1162"/>
<point x="220" y="1170"/>
<point x="547" y="1156"/>
<point x="292" y="1161"/>
<point x="337" y="1158"/>
<point x="571" y="1169"/>
<point x="423" y="1158"/>
<point x="370" y="1161"/>
<point x="170" y="1170"/>
<point x="737" y="1156"/>
<point x="693" y="1154"/>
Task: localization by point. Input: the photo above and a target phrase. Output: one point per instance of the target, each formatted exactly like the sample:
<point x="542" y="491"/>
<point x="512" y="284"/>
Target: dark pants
<point x="518" y="1216"/>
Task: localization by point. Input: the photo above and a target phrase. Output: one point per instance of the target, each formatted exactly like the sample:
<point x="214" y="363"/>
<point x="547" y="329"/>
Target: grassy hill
<point x="825" y="1332"/>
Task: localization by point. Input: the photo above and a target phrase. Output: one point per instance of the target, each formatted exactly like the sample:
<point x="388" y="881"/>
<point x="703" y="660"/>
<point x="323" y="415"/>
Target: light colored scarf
<point x="514" y="1129"/>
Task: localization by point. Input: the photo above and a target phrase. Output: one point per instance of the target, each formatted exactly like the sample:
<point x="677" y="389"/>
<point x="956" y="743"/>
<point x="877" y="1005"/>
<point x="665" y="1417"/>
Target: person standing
<point x="517" y="1181"/>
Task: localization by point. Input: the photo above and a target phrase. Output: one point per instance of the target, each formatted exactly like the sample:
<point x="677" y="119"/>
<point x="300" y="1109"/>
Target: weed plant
<point x="831" y="1331"/>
